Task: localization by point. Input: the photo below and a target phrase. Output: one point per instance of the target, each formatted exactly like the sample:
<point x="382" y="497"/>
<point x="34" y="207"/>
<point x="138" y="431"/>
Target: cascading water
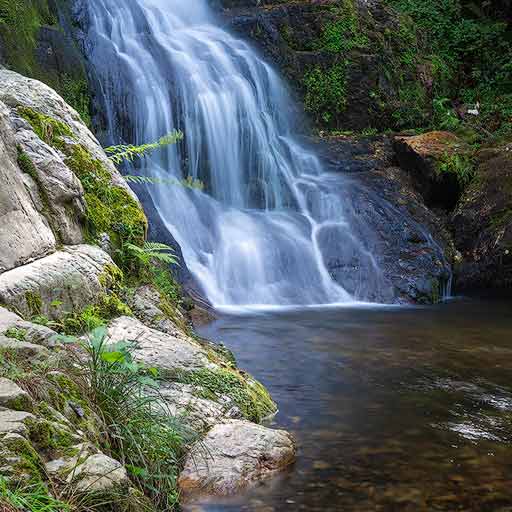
<point x="258" y="231"/>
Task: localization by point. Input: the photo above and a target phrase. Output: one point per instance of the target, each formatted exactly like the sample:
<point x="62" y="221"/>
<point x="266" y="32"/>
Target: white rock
<point x="14" y="421"/>
<point x="12" y="396"/>
<point x="233" y="456"/>
<point x="158" y="349"/>
<point x="71" y="276"/>
<point x="98" y="473"/>
<point x="24" y="232"/>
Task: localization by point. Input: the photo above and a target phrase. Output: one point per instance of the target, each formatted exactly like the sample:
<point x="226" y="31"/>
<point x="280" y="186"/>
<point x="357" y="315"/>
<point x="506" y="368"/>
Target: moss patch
<point x="247" y="394"/>
<point x="110" y="209"/>
<point x="47" y="128"/>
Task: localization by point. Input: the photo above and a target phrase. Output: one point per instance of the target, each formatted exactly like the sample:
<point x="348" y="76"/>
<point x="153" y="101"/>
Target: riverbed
<point x="393" y="408"/>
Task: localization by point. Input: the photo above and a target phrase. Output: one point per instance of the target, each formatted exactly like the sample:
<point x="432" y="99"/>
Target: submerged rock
<point x="233" y="456"/>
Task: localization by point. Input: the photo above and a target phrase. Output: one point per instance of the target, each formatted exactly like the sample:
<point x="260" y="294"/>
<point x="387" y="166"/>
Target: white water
<point x="258" y="232"/>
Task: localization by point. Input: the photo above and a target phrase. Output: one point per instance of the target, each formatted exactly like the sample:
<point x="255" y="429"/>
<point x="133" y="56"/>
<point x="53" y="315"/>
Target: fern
<point x="152" y="251"/>
<point x="129" y="152"/>
<point x="188" y="182"/>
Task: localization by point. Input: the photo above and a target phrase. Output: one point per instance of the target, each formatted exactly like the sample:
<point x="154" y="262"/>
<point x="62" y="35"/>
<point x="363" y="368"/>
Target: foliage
<point x="326" y="91"/>
<point x="124" y="152"/>
<point x="459" y="164"/>
<point x="29" y="498"/>
<point x="152" y="251"/>
<point x="469" y="52"/>
<point x="140" y="431"/>
<point x="111" y="209"/>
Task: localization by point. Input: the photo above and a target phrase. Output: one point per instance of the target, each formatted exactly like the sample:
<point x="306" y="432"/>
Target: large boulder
<point x="67" y="280"/>
<point x="24" y="229"/>
<point x="482" y="223"/>
<point x="440" y="164"/>
<point x="233" y="456"/>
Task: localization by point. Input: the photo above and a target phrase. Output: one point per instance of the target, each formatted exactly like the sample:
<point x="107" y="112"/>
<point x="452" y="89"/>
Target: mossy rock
<point x="249" y="395"/>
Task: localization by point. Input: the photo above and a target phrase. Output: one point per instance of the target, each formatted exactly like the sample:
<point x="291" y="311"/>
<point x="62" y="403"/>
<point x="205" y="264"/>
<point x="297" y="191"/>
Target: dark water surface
<point x="394" y="409"/>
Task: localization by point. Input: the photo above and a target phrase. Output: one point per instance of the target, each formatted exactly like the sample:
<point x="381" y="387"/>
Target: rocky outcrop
<point x="482" y="223"/>
<point x="353" y="62"/>
<point x="409" y="243"/>
<point x="239" y="453"/>
<point x="440" y="164"/>
<point x="67" y="280"/>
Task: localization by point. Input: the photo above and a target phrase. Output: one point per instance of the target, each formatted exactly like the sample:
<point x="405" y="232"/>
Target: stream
<point x="394" y="408"/>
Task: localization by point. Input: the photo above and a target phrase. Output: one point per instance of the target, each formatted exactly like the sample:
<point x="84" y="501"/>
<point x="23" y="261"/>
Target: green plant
<point x="16" y="333"/>
<point x="445" y="117"/>
<point x="152" y="251"/>
<point x="459" y="164"/>
<point x="29" y="498"/>
<point x="140" y="431"/>
<point x="128" y="152"/>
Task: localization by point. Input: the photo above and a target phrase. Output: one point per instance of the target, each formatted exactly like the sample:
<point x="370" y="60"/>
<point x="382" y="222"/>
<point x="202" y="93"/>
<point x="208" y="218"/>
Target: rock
<point x="157" y="349"/>
<point x="59" y="190"/>
<point x="423" y="157"/>
<point x="146" y="306"/>
<point x="14" y="421"/>
<point x="8" y="319"/>
<point x="23" y="228"/>
<point x="23" y="349"/>
<point x="482" y="223"/>
<point x="199" y="413"/>
<point x="63" y="466"/>
<point x="233" y="456"/>
<point x="13" y="397"/>
<point x="17" y="90"/>
<point x="71" y="276"/>
<point x="14" y="327"/>
<point x="98" y="474"/>
<point x="410" y="245"/>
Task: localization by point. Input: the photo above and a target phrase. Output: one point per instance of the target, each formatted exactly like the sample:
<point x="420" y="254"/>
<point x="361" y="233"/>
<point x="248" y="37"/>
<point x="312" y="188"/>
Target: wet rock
<point x="482" y="223"/>
<point x="98" y="474"/>
<point x="13" y="397"/>
<point x="168" y="352"/>
<point x="71" y="276"/>
<point x="409" y="244"/>
<point x="233" y="456"/>
<point x="423" y="157"/>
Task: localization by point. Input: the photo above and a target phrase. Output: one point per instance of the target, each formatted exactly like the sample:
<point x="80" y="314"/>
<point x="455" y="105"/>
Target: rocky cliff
<point x="66" y="215"/>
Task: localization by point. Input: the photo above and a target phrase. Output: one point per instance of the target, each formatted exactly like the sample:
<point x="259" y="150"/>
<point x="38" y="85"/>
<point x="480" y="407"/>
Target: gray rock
<point x="70" y="276"/>
<point x="60" y="190"/>
<point x="97" y="474"/>
<point x="14" y="421"/>
<point x="17" y="90"/>
<point x="233" y="456"/>
<point x="164" y="351"/>
<point x="145" y="304"/>
<point x="8" y="319"/>
<point x="63" y="466"/>
<point x="199" y="413"/>
<point x="23" y="349"/>
<point x="13" y="397"/>
<point x="23" y="229"/>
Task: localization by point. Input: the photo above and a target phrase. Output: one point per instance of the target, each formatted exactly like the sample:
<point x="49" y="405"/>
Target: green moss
<point x="34" y="303"/>
<point x="47" y="128"/>
<point x="111" y="278"/>
<point x="110" y="209"/>
<point x="29" y="468"/>
<point x="325" y="95"/>
<point x="16" y="333"/>
<point x="247" y="394"/>
<point x="460" y="165"/>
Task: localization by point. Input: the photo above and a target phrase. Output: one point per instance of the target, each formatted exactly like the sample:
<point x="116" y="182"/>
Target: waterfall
<point x="258" y="232"/>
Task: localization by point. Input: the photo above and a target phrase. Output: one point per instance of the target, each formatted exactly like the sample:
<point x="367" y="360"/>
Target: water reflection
<point x="394" y="409"/>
